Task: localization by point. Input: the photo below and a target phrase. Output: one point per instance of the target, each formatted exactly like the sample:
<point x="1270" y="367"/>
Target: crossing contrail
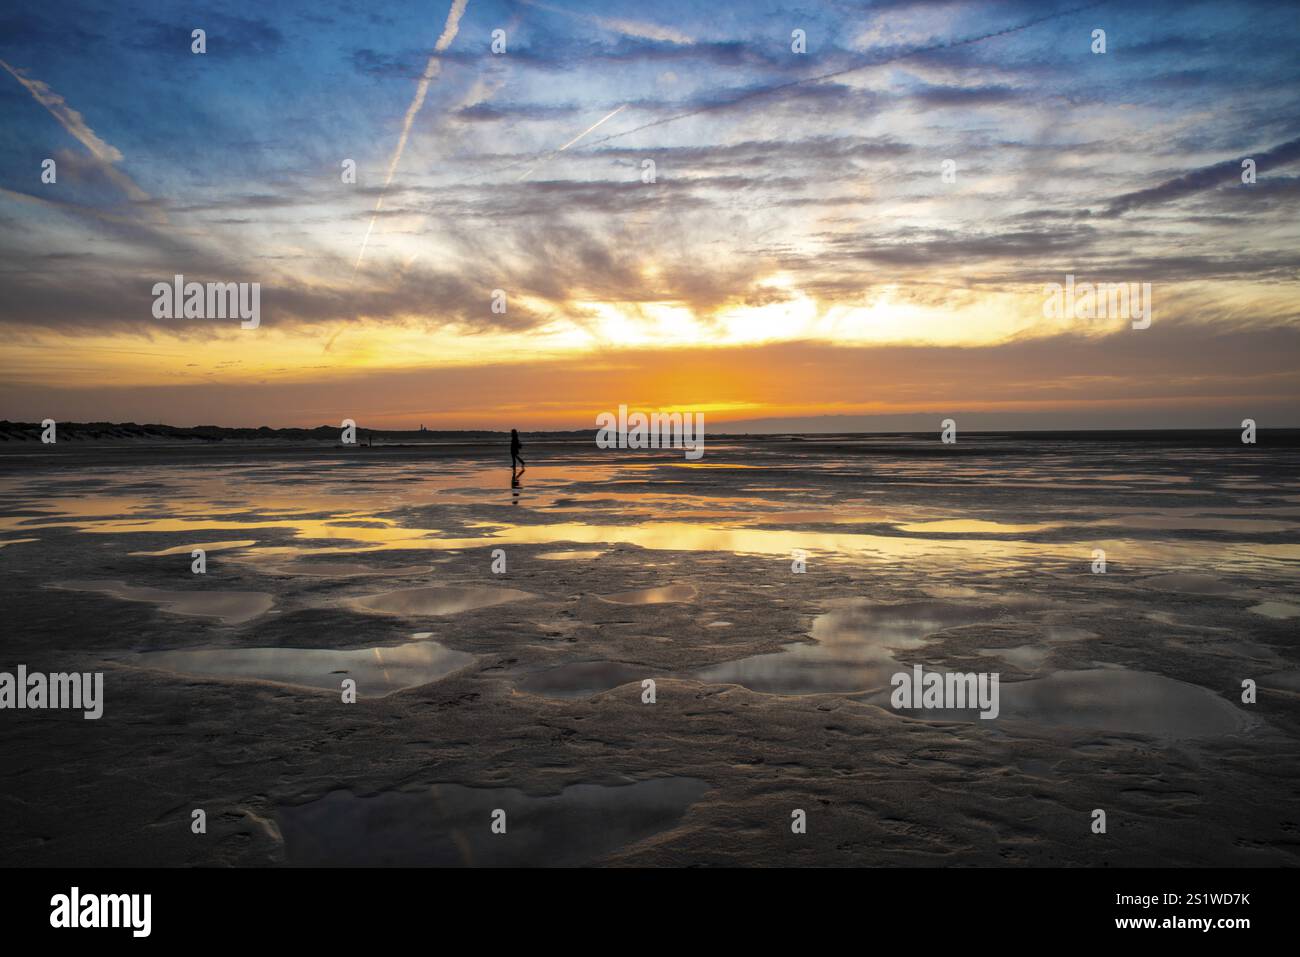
<point x="892" y="58"/>
<point x="598" y="123"/>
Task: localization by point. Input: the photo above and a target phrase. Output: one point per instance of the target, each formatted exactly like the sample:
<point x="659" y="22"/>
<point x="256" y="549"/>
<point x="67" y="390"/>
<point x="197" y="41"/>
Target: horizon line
<point x="9" y="425"/>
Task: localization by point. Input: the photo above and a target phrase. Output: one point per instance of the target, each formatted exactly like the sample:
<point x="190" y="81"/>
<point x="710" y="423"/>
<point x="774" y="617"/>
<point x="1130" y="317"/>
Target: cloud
<point x="28" y="31"/>
<point x="1205" y="178"/>
<point x="797" y="184"/>
<point x="1187" y="377"/>
<point x="514" y="112"/>
<point x="227" y="36"/>
<point x="965" y="96"/>
<point x="780" y="89"/>
<point x="622" y="25"/>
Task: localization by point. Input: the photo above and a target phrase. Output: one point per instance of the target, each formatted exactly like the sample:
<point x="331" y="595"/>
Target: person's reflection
<point x="514" y="487"/>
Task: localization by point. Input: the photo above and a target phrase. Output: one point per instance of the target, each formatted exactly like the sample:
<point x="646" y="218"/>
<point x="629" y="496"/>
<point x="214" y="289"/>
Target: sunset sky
<point x="797" y="255"/>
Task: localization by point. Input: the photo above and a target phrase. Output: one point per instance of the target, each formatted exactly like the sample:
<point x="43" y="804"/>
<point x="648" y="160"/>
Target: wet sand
<point x="523" y="691"/>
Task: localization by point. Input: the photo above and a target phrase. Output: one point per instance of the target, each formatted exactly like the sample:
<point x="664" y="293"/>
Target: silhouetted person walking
<point x="514" y="450"/>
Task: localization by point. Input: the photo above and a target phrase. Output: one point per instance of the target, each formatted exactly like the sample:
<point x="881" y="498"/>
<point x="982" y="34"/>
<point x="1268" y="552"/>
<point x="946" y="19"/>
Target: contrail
<point x="1198" y="180"/>
<point x="72" y="121"/>
<point x="628" y="28"/>
<point x="782" y="87"/>
<point x="70" y="208"/>
<point x="431" y="70"/>
<point x="593" y="126"/>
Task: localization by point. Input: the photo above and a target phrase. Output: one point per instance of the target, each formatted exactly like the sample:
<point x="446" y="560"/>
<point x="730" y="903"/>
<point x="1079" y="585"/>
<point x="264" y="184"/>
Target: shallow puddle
<point x="853" y="651"/>
<point x="377" y="671"/>
<point x="449" y="825"/>
<point x="664" y="594"/>
<point x="1192" y="584"/>
<point x="1275" y="609"/>
<point x="345" y="570"/>
<point x="1119" y="699"/>
<point x="206" y="546"/>
<point x="571" y="556"/>
<point x="826" y="516"/>
<point x="1101" y="699"/>
<point x="1197" y="523"/>
<point x="232" y="607"/>
<point x="439" y="600"/>
<point x="972" y="526"/>
<point x="1024" y="657"/>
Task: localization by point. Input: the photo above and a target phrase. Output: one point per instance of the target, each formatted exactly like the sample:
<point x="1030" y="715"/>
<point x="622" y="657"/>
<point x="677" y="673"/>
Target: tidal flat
<point x="500" y="635"/>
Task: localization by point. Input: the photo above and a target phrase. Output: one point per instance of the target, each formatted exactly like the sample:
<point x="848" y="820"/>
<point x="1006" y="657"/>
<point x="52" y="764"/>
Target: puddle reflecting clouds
<point x="448" y="825"/>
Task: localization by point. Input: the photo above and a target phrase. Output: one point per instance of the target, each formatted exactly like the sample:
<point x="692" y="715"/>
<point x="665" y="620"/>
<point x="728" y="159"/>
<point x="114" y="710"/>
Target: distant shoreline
<point x="127" y="433"/>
